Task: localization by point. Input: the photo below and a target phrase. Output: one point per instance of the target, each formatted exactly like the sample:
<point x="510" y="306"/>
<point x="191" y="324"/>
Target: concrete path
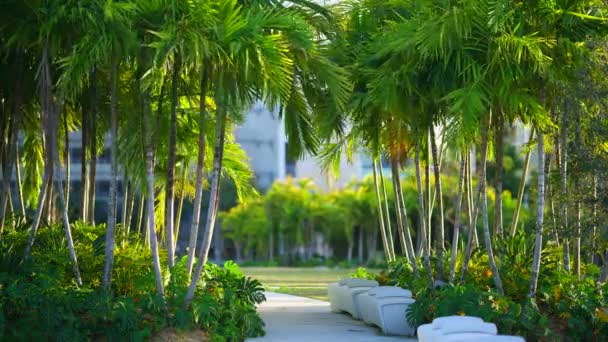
<point x="298" y="319"/>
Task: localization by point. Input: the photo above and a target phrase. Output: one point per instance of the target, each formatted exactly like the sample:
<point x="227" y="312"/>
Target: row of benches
<point x="385" y="307"/>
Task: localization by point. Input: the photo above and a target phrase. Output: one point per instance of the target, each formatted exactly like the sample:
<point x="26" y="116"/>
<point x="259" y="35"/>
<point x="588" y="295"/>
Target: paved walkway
<point x="298" y="319"/>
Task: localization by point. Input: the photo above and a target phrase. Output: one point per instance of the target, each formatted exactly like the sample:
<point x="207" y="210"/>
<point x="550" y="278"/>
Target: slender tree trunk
<point x="473" y="221"/>
<point x="400" y="223"/>
<point x="387" y="250"/>
<point x="66" y="220"/>
<point x="389" y="233"/>
<point x="522" y="187"/>
<point x="214" y="196"/>
<point x="19" y="183"/>
<point x="200" y="167"/>
<point x="169" y="191"/>
<point x="428" y="191"/>
<point x="564" y="190"/>
<point x="472" y="209"/>
<point x="539" y="216"/>
<point x="577" y="241"/>
<point x="84" y="203"/>
<point x="131" y="207"/>
<point x="407" y="245"/>
<point x="178" y="218"/>
<point x="66" y="160"/>
<point x="457" y="215"/>
<point x="125" y="201"/>
<point x="38" y="214"/>
<point x="111" y="225"/>
<point x="93" y="172"/>
<point x="499" y="151"/>
<point x="147" y="119"/>
<point x="349" y="249"/>
<point x="484" y="212"/>
<point x="8" y="168"/>
<point x="140" y="214"/>
<point x="425" y="251"/>
<point x="592" y="257"/>
<point x="440" y="227"/>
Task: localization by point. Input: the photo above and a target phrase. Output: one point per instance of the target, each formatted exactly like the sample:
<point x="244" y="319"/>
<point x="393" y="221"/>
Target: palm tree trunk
<point x="125" y="201"/>
<point x="564" y="190"/>
<point x="425" y="251"/>
<point x="499" y="151"/>
<point x="66" y="160"/>
<point x="66" y="220"/>
<point x="92" y="173"/>
<point x="178" y="218"/>
<point x="19" y="183"/>
<point x="592" y="257"/>
<point x="200" y="167"/>
<point x="130" y="209"/>
<point x="429" y="199"/>
<point x="84" y="179"/>
<point x="110" y="227"/>
<point x="140" y="214"/>
<point x="470" y="202"/>
<point x="522" y="187"/>
<point x="372" y="241"/>
<point x="457" y="215"/>
<point x="402" y="219"/>
<point x="400" y="223"/>
<point x="473" y="221"/>
<point x="387" y="250"/>
<point x="7" y="171"/>
<point x="539" y="216"/>
<point x="169" y="191"/>
<point x="147" y="119"/>
<point x="214" y="196"/>
<point x="484" y="211"/>
<point x="389" y="233"/>
<point x="38" y="214"/>
<point x="440" y="227"/>
<point x="577" y="241"/>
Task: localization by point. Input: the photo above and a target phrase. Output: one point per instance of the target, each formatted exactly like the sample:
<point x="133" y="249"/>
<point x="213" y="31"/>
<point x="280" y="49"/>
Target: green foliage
<point x="39" y="300"/>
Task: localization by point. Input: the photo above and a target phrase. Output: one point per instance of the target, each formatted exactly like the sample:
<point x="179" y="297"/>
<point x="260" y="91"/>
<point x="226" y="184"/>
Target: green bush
<point x="40" y="301"/>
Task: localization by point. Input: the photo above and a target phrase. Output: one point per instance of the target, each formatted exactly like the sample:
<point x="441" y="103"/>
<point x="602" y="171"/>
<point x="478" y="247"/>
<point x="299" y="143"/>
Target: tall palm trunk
<point x="19" y="182"/>
<point x="592" y="257"/>
<point x="360" y="243"/>
<point x="66" y="160"/>
<point x="429" y="198"/>
<point x="39" y="209"/>
<point x="147" y="119"/>
<point x="389" y="233"/>
<point x="400" y="223"/>
<point x="402" y="219"/>
<point x="457" y="215"/>
<point x="200" y="167"/>
<point x="522" y="187"/>
<point x="169" y="191"/>
<point x="564" y="190"/>
<point x="470" y="202"/>
<point x="425" y="251"/>
<point x="111" y="225"/>
<point x="66" y="220"/>
<point x="539" y="216"/>
<point x="93" y="165"/>
<point x="180" y="206"/>
<point x="440" y="232"/>
<point x="84" y="175"/>
<point x="218" y="154"/>
<point x="499" y="151"/>
<point x="387" y="250"/>
<point x="484" y="211"/>
<point x="577" y="241"/>
<point x="473" y="221"/>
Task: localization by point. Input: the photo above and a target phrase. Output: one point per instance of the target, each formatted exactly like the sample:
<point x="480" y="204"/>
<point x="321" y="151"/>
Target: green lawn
<point x="300" y="281"/>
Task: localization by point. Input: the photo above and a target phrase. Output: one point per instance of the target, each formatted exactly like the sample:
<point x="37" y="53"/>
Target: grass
<point x="300" y="281"/>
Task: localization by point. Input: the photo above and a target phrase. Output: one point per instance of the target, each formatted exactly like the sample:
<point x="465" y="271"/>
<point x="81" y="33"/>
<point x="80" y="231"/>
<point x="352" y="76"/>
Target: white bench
<point x="455" y="328"/>
<point x="385" y="307"/>
<point x="342" y="294"/>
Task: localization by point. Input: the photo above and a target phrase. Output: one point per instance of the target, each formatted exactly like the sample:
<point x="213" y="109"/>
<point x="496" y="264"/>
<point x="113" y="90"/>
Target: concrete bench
<point x="455" y="328"/>
<point x="385" y="307"/>
<point x="342" y="294"/>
